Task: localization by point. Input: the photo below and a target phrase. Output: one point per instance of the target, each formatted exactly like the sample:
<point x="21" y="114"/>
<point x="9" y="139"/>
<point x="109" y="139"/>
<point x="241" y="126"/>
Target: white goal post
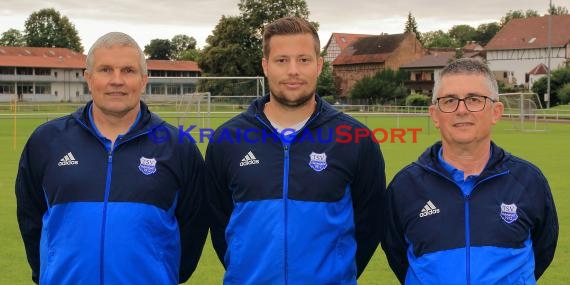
<point x="524" y="109"/>
<point x="192" y="100"/>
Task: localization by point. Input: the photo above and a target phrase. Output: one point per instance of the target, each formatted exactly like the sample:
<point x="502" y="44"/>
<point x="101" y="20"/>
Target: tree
<point x="557" y="10"/>
<point x="325" y="84"/>
<point x="563" y="94"/>
<point x="13" y="38"/>
<point x="47" y="28"/>
<point x="191" y="54"/>
<point x="462" y="34"/>
<point x="181" y="44"/>
<point x="418" y="100"/>
<point x="159" y="49"/>
<point x="558" y="78"/>
<point x="257" y="14"/>
<point x="518" y="14"/>
<point x="225" y="53"/>
<point x="412" y="27"/>
<point x="438" y="39"/>
<point x="485" y="32"/>
<point x="234" y="48"/>
<point x="384" y="87"/>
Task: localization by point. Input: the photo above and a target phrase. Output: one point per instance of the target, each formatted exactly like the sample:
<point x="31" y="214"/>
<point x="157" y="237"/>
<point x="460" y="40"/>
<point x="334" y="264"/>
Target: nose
<point x="117" y="78"/>
<point x="462" y="108"/>
<point x="293" y="68"/>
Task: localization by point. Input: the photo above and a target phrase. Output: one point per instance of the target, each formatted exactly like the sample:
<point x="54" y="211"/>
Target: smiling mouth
<point x="115" y="93"/>
<point x="465" y="124"/>
<point x="293" y="84"/>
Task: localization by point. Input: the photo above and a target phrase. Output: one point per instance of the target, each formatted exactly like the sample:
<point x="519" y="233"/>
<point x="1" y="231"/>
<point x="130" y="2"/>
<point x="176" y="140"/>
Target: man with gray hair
<point x="98" y="202"/>
<point x="467" y="211"/>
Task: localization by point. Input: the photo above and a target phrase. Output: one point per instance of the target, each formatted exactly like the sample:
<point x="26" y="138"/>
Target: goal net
<point x="524" y="110"/>
<point x="194" y="109"/>
<point x="196" y="100"/>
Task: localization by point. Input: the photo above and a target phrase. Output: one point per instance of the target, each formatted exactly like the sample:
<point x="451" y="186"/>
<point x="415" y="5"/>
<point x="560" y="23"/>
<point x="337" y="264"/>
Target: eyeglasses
<point x="474" y="103"/>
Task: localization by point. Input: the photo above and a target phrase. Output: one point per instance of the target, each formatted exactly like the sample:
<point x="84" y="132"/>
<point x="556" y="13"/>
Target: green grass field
<point x="547" y="149"/>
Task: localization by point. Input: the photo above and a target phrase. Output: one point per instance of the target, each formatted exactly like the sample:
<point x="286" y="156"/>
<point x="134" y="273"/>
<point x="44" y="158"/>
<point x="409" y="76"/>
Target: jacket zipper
<point x="467" y="239"/>
<point x="286" y="153"/>
<point x="285" y="217"/>
<point x="107" y="193"/>
<point x="104" y="218"/>
<point x="466" y="199"/>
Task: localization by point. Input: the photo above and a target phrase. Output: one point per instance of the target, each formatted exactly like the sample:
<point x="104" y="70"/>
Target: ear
<point x="87" y="77"/>
<point x="434" y="115"/>
<point x="320" y="63"/>
<point x="264" y="65"/>
<point x="144" y="82"/>
<point x="498" y="109"/>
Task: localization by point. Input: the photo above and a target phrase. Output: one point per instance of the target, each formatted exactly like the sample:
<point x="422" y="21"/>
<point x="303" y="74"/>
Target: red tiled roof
<point x="539" y="69"/>
<point x="65" y="58"/>
<point x="361" y="58"/>
<point x="439" y="59"/>
<point x="343" y="40"/>
<point x="42" y="62"/>
<point x="371" y="49"/>
<point x="41" y="57"/>
<point x="472" y="46"/>
<point x="183" y="65"/>
<point x="39" y="51"/>
<point x="532" y="33"/>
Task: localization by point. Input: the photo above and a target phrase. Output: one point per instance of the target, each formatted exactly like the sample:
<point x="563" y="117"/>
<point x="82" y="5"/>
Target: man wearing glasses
<point x="467" y="211"/>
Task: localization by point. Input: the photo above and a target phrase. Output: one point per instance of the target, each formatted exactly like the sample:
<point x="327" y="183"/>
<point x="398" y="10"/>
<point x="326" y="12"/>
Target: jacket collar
<point x="323" y="112"/>
<point x="496" y="164"/>
<point x="147" y="121"/>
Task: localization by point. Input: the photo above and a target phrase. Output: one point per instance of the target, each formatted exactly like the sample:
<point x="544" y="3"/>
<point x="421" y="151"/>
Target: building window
<point x="157" y="73"/>
<point x="25" y="88"/>
<point x="188" y="88"/>
<point x="7" y="70"/>
<point x="7" y="88"/>
<point x="43" y="88"/>
<point x="43" y="71"/>
<point x="24" y="71"/>
<point x="172" y="89"/>
<point x="156" y="89"/>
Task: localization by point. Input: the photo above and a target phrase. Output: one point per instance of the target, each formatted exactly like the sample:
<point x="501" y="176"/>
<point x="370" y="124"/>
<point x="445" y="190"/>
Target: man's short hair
<point x="468" y="66"/>
<point x="112" y="39"/>
<point x="289" y="26"/>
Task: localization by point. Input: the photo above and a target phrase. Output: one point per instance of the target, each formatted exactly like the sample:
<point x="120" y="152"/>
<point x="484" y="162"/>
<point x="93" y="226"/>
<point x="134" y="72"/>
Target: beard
<point x="289" y="102"/>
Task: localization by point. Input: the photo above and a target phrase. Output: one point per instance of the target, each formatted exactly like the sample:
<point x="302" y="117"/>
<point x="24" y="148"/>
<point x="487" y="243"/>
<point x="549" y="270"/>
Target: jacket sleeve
<point x="31" y="206"/>
<point x="545" y="235"/>
<point x="192" y="213"/>
<point x="219" y="198"/>
<point x="394" y="243"/>
<point x="368" y="192"/>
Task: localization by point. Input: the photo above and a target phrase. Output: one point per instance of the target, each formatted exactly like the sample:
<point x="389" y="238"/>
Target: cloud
<point x="150" y="19"/>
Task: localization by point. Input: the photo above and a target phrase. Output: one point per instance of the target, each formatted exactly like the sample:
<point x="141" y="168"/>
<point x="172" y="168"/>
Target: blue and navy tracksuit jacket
<point x="298" y="209"/>
<point x="499" y="227"/>
<point x="92" y="214"/>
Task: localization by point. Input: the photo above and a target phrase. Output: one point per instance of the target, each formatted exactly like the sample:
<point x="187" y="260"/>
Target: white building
<point x="522" y="45"/>
<point x="56" y="74"/>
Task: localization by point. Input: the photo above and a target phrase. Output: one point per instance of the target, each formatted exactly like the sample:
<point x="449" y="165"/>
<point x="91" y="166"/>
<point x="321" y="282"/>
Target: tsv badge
<point x="509" y="212"/>
<point x="147" y="165"/>
<point x="318" y="161"/>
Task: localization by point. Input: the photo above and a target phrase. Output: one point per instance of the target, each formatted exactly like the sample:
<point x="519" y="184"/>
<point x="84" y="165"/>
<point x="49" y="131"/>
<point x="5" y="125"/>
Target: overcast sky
<point x="145" y="20"/>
